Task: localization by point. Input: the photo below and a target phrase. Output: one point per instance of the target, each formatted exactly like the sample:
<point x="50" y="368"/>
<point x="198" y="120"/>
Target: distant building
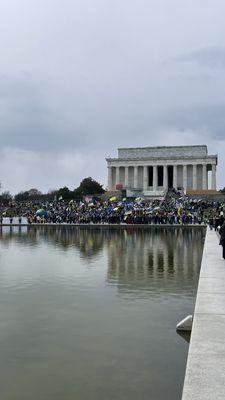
<point x="152" y="170"/>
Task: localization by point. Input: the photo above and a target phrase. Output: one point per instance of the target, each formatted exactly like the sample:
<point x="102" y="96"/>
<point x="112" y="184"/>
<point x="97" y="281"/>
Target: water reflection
<point x="77" y="235"/>
<point x="88" y="241"/>
<point x="135" y="255"/>
<point x="107" y="332"/>
<point x="140" y="259"/>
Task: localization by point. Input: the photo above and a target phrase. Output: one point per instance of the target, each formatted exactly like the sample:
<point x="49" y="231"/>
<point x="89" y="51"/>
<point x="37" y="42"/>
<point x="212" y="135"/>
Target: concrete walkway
<point x="205" y="372"/>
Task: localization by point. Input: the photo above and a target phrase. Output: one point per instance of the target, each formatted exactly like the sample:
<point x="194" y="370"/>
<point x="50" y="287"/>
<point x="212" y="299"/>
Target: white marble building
<point x="152" y="170"/>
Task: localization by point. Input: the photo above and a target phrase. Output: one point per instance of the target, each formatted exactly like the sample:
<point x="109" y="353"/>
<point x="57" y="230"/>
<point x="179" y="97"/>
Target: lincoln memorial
<point x="153" y="170"/>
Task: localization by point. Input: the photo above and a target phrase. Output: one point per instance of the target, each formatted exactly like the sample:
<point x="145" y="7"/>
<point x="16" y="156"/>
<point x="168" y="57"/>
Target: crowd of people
<point x="172" y="209"/>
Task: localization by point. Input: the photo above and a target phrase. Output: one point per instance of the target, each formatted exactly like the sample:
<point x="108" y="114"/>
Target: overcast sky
<point x="80" y="78"/>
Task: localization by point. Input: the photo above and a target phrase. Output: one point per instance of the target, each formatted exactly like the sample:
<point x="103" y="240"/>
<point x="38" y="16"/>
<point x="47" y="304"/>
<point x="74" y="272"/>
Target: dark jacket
<point x="222" y="233"/>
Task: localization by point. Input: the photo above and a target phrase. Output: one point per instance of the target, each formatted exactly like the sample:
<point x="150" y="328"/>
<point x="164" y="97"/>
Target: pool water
<point x="90" y="313"/>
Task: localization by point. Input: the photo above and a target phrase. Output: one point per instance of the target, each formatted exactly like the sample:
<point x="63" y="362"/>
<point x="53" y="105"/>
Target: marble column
<point x="213" y="183"/>
<point x="109" y="178"/>
<point x="154" y="178"/>
<point x="117" y="175"/>
<point x="126" y="177"/>
<point x="194" y="176"/>
<point x="145" y="177"/>
<point x="204" y="177"/>
<point x="185" y="177"/>
<point x="175" y="176"/>
<point x="135" y="176"/>
<point x="165" y="177"/>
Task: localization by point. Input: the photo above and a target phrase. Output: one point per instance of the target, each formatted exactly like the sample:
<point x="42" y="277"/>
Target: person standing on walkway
<point x="222" y="238"/>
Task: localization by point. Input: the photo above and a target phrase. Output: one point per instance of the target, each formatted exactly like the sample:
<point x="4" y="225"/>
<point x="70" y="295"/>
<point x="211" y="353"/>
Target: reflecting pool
<point x="89" y="313"/>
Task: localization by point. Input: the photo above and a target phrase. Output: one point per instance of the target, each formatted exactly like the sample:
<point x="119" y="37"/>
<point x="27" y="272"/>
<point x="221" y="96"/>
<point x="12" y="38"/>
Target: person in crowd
<point x="211" y="222"/>
<point x="217" y="222"/>
<point x="222" y="238"/>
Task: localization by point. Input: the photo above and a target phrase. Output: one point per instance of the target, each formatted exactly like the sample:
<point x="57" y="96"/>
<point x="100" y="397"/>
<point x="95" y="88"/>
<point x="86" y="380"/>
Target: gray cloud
<point x="209" y="120"/>
<point x="31" y="119"/>
<point x="79" y="80"/>
<point x="211" y="57"/>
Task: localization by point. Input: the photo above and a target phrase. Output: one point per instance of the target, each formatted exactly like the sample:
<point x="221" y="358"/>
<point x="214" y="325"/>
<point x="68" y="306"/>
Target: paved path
<point x="205" y="373"/>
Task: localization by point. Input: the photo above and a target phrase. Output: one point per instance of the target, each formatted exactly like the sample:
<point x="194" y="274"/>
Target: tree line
<point x="88" y="186"/>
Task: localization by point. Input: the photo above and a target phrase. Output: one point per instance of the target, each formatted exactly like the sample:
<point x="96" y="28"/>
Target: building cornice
<point x="164" y="159"/>
<point x="163" y="147"/>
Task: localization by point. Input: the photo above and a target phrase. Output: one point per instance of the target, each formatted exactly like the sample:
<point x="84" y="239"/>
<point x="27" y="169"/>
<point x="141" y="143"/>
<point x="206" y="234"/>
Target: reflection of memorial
<point x="139" y="259"/>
